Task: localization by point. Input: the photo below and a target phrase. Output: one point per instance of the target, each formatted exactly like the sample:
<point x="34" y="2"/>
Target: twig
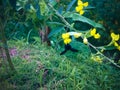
<point x="63" y="19"/>
<point x="69" y="26"/>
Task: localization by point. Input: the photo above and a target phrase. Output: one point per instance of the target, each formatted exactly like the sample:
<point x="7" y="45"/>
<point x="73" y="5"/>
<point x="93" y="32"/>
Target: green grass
<point x="45" y="69"/>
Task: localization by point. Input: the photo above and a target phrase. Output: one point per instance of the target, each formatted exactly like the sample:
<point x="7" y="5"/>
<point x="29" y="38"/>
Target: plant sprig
<point x="89" y="44"/>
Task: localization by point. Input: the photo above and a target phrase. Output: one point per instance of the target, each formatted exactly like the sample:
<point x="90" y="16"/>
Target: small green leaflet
<point x="78" y="17"/>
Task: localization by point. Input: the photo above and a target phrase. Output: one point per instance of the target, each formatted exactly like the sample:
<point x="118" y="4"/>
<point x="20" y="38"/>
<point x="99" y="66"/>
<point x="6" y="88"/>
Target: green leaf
<point x="55" y="31"/>
<point x="109" y="47"/>
<point x="54" y="24"/>
<point x="80" y="46"/>
<point x="78" y="17"/>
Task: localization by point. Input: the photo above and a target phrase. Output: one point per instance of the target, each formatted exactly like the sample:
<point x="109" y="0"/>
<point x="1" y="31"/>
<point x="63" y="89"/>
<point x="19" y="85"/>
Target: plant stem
<point x="5" y="46"/>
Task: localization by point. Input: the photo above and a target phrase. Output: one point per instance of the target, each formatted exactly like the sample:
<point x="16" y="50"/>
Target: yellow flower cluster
<point x="80" y="7"/>
<point x="115" y="38"/>
<point x="66" y="38"/>
<point x="94" y="34"/>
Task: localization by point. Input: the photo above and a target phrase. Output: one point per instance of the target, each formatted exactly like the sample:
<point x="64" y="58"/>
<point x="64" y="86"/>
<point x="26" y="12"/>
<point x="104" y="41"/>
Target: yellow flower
<point x="82" y="12"/>
<point x="98" y="59"/>
<point x="115" y="37"/>
<point x="85" y="4"/>
<point x="77" y="35"/>
<point x="93" y="32"/>
<point x="77" y="9"/>
<point x="80" y="7"/>
<point x="67" y="41"/>
<point x="79" y="3"/>
<point x="65" y="35"/>
<point x="85" y="41"/>
<point x="116" y="44"/>
<point x="97" y="36"/>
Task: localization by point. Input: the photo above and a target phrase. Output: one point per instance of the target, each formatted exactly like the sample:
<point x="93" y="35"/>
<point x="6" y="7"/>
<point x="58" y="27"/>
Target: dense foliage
<point x="59" y="44"/>
<point x="37" y="68"/>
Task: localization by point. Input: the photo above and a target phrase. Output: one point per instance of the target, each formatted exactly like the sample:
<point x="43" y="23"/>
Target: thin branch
<point x="69" y="26"/>
<point x="63" y="19"/>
